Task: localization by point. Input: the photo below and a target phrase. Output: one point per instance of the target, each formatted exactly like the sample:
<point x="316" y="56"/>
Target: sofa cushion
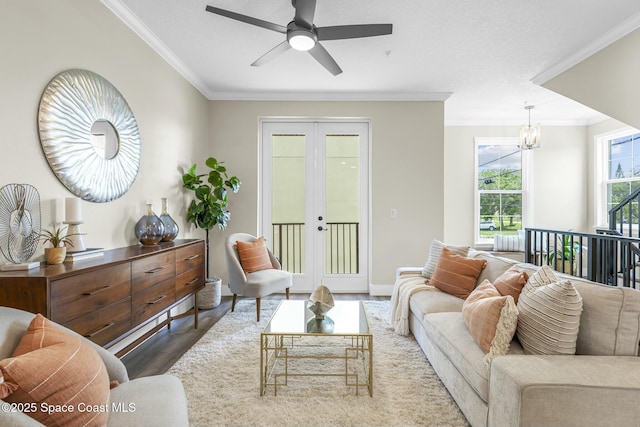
<point x="253" y="255"/>
<point x="449" y="333"/>
<point x="495" y="265"/>
<point x="549" y="314"/>
<point x="434" y="255"/>
<point x="491" y="318"/>
<point x="610" y="320"/>
<point x="511" y="282"/>
<point x="52" y="367"/>
<point x="455" y="274"/>
<point x="433" y="300"/>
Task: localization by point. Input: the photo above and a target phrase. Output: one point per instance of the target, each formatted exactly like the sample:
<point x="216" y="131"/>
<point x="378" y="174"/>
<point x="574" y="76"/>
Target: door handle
<point x="320" y="228"/>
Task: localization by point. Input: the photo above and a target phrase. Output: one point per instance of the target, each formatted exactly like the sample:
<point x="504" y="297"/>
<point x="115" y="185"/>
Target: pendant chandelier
<point x="529" y="135"/>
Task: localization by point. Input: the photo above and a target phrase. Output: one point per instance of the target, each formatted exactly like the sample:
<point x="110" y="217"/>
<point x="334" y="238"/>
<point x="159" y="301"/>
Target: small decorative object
<point x="320" y="302"/>
<point x="19" y="225"/>
<point x="59" y="239"/>
<point x="170" y="227"/>
<point x="149" y="229"/>
<point x="320" y="326"/>
<point x="73" y="218"/>
<point x="209" y="297"/>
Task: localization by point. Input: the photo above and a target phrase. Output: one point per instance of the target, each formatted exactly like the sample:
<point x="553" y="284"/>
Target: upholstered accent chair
<point x="243" y="281"/>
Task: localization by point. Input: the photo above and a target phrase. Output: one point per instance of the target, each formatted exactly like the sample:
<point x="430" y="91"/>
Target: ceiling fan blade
<point x="353" y="31"/>
<point x="281" y="48"/>
<point x="305" y="9"/>
<point x="322" y="56"/>
<point x="248" y="19"/>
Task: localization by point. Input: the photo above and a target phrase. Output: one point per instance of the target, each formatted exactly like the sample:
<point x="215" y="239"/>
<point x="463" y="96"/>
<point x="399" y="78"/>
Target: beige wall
<point x="558" y="186"/>
<point x="39" y="40"/>
<point x="407" y="169"/>
<point x="606" y="81"/>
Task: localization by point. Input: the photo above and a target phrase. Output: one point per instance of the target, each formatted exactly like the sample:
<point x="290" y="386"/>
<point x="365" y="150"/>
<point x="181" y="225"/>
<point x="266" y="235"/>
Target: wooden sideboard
<point x="108" y="298"/>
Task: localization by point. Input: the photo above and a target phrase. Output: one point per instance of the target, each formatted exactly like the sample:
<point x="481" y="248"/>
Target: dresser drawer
<point x="153" y="300"/>
<point x="189" y="281"/>
<point x="189" y="257"/>
<point x="105" y="324"/>
<point x="151" y="270"/>
<point x="84" y="293"/>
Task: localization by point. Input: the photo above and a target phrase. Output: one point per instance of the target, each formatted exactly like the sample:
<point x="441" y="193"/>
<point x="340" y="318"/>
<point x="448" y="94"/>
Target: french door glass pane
<point x="342" y="210"/>
<point x="288" y="201"/>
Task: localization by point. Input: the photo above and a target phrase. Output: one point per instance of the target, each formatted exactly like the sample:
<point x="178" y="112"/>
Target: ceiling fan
<point x="303" y="35"/>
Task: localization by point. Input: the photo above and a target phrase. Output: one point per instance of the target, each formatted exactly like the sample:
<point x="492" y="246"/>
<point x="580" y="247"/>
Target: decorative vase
<point x="170" y="227"/>
<point x="55" y="255"/>
<point x="149" y="229"/>
<point x="320" y="302"/>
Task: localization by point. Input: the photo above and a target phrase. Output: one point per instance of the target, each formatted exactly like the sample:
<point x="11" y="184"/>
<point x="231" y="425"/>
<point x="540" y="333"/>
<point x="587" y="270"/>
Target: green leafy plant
<point x="57" y="237"/>
<point x="209" y="208"/>
<point x="567" y="251"/>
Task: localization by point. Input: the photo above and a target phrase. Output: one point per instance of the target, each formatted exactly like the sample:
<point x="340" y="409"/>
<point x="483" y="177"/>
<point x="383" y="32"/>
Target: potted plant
<point x="59" y="240"/>
<point x="209" y="208"/>
<point x="565" y="254"/>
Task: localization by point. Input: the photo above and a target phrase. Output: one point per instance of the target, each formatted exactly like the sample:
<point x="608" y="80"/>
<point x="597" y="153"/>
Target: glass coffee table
<point x="296" y="344"/>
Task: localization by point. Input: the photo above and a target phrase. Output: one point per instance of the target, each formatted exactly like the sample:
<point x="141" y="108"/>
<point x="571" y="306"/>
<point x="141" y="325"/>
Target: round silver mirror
<point x="89" y="136"/>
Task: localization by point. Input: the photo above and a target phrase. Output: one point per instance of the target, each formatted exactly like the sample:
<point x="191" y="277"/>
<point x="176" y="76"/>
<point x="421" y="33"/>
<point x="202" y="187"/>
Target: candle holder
<point x="76" y="238"/>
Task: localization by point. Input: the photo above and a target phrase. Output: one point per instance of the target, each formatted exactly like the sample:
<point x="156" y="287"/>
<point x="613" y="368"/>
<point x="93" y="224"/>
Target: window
<point x="499" y="207"/>
<point x="618" y="171"/>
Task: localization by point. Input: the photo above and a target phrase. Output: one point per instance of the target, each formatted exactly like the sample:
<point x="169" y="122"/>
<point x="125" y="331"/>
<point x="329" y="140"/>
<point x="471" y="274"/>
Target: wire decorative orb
<point x="19" y="222"/>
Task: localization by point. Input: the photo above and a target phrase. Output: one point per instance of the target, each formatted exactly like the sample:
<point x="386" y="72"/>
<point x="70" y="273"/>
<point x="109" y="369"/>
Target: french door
<point x="314" y="204"/>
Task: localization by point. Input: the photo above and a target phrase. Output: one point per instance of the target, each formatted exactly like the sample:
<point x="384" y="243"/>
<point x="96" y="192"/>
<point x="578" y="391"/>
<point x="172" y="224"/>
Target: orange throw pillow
<point x="56" y="377"/>
<point x="455" y="274"/>
<point x="253" y="255"/>
<point x="511" y="282"/>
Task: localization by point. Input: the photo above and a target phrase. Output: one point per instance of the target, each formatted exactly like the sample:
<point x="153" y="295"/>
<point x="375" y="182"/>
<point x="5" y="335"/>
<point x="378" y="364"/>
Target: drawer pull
<point x="191" y="282"/>
<point x="94" y="333"/>
<point x="154" y="270"/>
<point x="157" y="300"/>
<point x="192" y="257"/>
<point x="96" y="291"/>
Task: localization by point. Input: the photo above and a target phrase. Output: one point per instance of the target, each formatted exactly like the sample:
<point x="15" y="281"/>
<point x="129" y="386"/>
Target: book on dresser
<point x="86" y="254"/>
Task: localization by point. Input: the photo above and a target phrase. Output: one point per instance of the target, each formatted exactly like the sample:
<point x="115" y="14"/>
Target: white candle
<point x="72" y="209"/>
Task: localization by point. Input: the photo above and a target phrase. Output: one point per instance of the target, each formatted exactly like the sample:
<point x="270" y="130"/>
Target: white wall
<point x="40" y="39"/>
<point x="407" y="172"/>
<point x="606" y="81"/>
<point x="559" y="177"/>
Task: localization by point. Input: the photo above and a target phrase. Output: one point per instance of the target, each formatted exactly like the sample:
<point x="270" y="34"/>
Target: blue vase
<point x="170" y="227"/>
<point x="150" y="228"/>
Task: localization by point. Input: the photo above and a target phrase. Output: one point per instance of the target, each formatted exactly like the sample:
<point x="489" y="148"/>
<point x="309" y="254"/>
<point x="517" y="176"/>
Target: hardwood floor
<point x="157" y="354"/>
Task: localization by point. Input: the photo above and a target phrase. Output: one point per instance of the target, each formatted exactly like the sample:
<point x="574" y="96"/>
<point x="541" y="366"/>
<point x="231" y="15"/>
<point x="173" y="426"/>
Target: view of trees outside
<point x="624" y="172"/>
<point x="500" y="189"/>
<point x="342" y="198"/>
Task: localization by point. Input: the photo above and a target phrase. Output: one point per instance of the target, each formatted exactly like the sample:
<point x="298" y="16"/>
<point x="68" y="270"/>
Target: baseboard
<point x="380" y="290"/>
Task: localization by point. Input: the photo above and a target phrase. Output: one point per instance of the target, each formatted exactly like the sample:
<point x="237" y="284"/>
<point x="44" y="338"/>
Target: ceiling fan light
<point x="301" y="40"/>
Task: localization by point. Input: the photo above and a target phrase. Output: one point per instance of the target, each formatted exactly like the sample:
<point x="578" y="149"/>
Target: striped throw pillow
<point x="434" y="256"/>
<point x="549" y="314"/>
<point x="253" y="255"/>
<point x="51" y="368"/>
<point x="491" y="318"/>
<point x="455" y="274"/>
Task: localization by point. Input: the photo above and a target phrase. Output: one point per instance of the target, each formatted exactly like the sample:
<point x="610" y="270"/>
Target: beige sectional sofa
<point x="149" y="401"/>
<point x="599" y="385"/>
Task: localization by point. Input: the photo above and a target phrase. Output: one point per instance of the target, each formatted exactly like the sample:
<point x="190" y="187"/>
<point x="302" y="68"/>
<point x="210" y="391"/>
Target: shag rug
<point x="221" y="376"/>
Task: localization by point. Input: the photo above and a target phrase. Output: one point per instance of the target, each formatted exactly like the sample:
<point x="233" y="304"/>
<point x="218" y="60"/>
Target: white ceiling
<point x="481" y="56"/>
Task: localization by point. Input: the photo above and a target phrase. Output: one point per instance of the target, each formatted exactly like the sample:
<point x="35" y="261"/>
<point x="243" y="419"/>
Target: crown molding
<point x="627" y="26"/>
<point x="125" y="14"/>
<point x="331" y="96"/>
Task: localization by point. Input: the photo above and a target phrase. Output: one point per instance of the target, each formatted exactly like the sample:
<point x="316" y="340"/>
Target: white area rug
<point x="221" y="376"/>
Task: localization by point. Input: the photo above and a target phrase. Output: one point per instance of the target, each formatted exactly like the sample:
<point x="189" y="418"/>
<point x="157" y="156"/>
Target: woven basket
<point x="209" y="297"/>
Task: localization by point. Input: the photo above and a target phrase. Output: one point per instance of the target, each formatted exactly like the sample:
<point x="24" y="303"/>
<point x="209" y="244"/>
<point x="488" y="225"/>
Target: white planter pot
<point x="209" y="297"/>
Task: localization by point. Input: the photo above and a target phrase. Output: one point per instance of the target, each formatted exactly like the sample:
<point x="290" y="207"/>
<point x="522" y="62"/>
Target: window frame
<point x="479" y="242"/>
<point x="602" y="179"/>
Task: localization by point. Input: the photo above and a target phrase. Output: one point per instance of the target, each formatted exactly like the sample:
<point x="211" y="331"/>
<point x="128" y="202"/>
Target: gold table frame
<point x="292" y="331"/>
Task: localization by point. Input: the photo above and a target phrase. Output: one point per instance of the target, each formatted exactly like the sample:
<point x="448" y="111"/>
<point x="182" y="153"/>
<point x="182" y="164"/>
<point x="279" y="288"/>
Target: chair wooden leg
<point x="287" y="293"/>
<point x="258" y="309"/>
<point x="233" y="302"/>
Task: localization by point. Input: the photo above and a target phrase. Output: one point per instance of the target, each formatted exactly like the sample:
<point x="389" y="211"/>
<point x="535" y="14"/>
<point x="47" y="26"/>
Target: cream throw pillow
<point x="434" y="255"/>
<point x="491" y="318"/>
<point x="549" y="314"/>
